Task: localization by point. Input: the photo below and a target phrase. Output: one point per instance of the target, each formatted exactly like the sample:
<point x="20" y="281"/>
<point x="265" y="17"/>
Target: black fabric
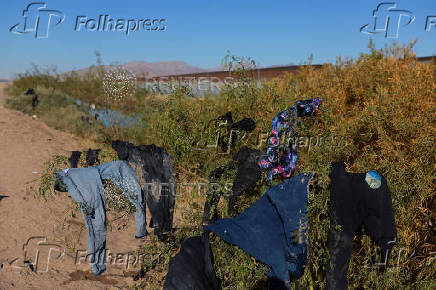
<point x="86" y="119"/>
<point x="276" y="284"/>
<point x="92" y="157"/>
<point x="35" y="101"/>
<point x="248" y="173"/>
<point x="192" y="268"/>
<point x="245" y="124"/>
<point x="123" y="148"/>
<point x="228" y="118"/>
<point x="59" y="185"/>
<point x="210" y="213"/>
<point x="30" y="91"/>
<point x="153" y="165"/>
<point x="354" y="203"/>
<point x="74" y="158"/>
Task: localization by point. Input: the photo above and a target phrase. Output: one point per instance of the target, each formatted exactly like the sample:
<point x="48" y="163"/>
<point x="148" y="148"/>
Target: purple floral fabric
<point x="281" y="158"/>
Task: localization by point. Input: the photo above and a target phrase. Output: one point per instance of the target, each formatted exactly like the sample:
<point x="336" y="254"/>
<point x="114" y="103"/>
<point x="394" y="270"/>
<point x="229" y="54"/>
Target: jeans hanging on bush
<point x="86" y="188"/>
<point x="273" y="229"/>
<point x="120" y="173"/>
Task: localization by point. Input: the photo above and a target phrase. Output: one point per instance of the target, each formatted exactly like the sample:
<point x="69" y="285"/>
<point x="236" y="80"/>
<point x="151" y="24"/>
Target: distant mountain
<point x="165" y="68"/>
<point x="152" y="69"/>
<point x="279" y="65"/>
<point x="4" y="81"/>
<point x="162" y="68"/>
<point x="221" y="68"/>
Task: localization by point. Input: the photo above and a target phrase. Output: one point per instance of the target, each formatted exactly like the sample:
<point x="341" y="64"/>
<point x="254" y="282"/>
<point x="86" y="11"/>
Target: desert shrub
<point x="381" y="105"/>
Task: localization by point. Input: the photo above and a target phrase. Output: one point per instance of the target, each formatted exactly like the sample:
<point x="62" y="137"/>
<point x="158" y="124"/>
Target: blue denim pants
<point x="86" y="188"/>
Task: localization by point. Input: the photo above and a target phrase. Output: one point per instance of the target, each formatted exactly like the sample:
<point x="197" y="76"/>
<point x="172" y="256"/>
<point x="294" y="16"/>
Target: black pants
<point x="248" y="173"/>
<point x="154" y="169"/>
<point x="354" y="203"/>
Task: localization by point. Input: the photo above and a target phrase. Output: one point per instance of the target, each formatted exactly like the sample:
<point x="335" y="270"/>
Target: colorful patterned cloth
<point x="281" y="158"/>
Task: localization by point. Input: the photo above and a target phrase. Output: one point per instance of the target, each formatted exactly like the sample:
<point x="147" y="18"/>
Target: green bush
<point x="381" y="105"/>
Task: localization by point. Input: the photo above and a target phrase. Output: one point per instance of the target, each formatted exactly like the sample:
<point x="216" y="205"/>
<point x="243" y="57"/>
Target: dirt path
<point x="54" y="236"/>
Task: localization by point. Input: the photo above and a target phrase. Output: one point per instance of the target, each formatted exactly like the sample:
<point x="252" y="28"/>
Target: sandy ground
<point x="46" y="232"/>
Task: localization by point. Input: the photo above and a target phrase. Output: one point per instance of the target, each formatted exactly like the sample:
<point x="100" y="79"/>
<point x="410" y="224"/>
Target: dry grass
<point x="381" y="104"/>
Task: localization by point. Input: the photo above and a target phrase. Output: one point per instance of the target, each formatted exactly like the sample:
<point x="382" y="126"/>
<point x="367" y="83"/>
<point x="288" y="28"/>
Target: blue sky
<point x="200" y="32"/>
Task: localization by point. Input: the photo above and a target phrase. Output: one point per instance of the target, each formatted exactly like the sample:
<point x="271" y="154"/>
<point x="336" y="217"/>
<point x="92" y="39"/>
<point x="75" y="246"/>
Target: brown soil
<point x="25" y="144"/>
